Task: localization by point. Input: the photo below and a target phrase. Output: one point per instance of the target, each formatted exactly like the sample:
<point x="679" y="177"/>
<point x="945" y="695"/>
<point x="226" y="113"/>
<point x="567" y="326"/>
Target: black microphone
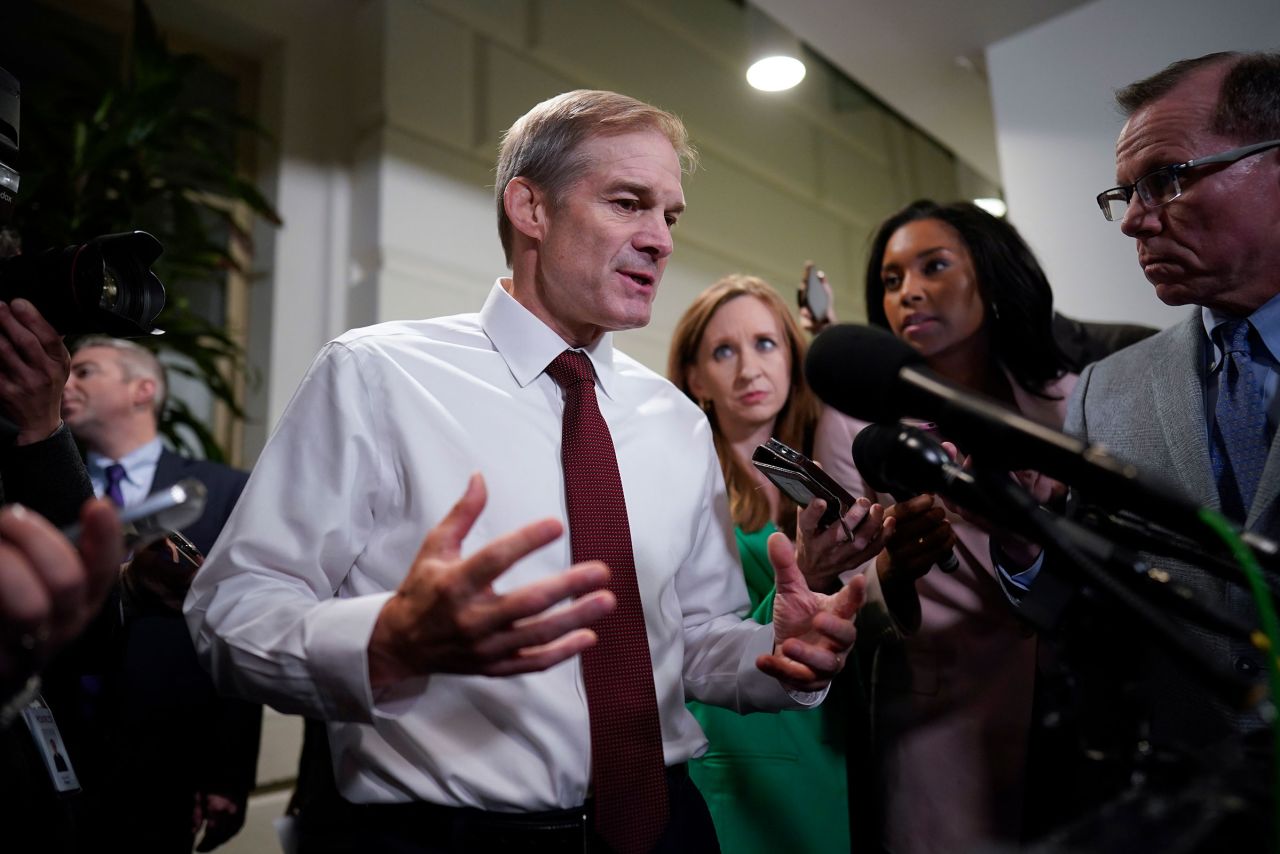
<point x="868" y="373"/>
<point x="902" y="458"/>
<point x="895" y="460"/>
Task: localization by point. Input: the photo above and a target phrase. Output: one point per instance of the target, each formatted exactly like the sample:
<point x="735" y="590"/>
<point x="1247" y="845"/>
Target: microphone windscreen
<point x="854" y="369"/>
<point x="871" y="447"/>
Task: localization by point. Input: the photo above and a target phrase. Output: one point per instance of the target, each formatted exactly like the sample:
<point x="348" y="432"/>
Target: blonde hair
<point x="796" y="420"/>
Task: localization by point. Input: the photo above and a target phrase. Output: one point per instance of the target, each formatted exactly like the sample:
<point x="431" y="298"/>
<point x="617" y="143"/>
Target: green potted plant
<point x="132" y="144"/>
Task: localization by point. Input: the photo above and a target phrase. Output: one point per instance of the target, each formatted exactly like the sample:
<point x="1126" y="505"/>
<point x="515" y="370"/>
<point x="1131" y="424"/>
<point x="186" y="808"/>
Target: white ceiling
<point x="925" y="58"/>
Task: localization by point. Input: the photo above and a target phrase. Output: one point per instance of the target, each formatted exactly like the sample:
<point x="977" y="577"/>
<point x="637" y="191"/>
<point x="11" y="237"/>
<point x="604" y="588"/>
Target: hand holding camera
<point x="102" y="285"/>
<point x="34" y="364"/>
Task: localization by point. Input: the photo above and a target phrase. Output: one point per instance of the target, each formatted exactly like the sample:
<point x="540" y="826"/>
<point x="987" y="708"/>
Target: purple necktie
<point x="115" y="474"/>
<point x="627" y="767"/>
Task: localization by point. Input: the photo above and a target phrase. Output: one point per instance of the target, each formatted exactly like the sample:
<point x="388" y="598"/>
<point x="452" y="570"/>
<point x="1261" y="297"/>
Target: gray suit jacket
<point x="1146" y="404"/>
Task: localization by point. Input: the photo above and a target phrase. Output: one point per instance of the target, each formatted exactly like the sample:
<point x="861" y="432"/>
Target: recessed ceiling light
<point x="775" y="73"/>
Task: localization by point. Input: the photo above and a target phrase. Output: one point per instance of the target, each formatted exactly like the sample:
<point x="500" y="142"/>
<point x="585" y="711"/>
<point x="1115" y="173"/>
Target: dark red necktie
<point x="627" y="767"/>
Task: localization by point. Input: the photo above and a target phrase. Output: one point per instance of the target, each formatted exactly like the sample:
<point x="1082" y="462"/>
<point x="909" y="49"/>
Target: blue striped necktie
<point x="1240" y="433"/>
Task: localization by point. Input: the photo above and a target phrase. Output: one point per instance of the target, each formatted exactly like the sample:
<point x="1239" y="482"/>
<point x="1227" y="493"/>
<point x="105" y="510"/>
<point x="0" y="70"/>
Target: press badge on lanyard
<point x="44" y="730"/>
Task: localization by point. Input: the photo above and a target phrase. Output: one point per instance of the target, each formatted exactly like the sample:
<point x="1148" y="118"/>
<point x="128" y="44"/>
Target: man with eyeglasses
<point x="1198" y="168"/>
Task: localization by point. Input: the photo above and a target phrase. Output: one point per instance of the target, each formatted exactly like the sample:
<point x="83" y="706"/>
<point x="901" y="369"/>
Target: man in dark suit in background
<point x="177" y="744"/>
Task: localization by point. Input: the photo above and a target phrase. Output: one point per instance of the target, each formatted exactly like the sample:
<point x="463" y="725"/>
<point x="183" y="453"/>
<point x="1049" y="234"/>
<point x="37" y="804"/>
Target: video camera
<point x="102" y="285"/>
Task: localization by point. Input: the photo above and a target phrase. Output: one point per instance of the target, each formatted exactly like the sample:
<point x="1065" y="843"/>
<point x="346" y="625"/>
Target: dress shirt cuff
<point x="393" y="701"/>
<point x="809" y="699"/>
<point x="338" y="656"/>
<point x="765" y="692"/>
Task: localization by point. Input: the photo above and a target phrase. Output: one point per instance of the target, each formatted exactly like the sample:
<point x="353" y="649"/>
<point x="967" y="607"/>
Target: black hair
<point x="1018" y="300"/>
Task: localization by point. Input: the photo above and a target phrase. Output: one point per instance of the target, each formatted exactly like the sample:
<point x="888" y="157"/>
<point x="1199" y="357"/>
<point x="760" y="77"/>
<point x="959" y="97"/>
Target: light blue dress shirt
<point x="1266" y="324"/>
<point x="139" y="471"/>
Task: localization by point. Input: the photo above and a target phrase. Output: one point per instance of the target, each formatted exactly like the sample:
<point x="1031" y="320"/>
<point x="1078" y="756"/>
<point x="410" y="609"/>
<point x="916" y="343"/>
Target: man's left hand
<point x="812" y="632"/>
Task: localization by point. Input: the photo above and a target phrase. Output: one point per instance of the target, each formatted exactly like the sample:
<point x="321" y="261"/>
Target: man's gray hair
<point x="1248" y="108"/>
<point x="136" y="361"/>
<point x="544" y="144"/>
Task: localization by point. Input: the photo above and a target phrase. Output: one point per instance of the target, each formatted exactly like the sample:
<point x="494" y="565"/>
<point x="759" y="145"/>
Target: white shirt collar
<point x="143" y="455"/>
<point x="528" y="345"/>
<point x="1265" y="321"/>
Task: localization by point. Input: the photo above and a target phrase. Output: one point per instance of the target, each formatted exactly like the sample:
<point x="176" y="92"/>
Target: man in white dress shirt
<point x="306" y="604"/>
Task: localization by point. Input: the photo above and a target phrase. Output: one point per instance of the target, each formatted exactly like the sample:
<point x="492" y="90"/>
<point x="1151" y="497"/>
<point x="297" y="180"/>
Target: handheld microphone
<point x="901" y="459"/>
<point x="880" y="451"/>
<point x="158" y="515"/>
<point x="869" y="374"/>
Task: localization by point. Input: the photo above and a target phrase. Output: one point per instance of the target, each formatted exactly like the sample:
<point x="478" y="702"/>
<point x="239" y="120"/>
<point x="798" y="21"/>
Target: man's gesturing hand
<point x="812" y="632"/>
<point x="446" y="617"/>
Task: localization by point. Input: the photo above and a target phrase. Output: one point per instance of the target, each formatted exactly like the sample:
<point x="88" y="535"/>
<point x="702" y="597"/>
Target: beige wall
<point x="784" y="177"/>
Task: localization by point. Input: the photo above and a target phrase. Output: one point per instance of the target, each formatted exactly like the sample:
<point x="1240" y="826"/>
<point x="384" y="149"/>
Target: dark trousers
<point x="421" y="828"/>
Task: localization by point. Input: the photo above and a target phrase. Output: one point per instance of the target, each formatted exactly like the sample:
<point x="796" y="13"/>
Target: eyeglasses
<point x="1162" y="186"/>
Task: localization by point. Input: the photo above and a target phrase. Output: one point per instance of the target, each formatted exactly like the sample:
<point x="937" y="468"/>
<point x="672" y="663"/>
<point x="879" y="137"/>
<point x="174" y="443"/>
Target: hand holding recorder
<point x="161" y="561"/>
<point x="836" y="532"/>
<point x="48" y="591"/>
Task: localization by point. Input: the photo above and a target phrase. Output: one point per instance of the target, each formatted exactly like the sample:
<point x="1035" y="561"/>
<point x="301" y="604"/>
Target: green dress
<point x="773" y="782"/>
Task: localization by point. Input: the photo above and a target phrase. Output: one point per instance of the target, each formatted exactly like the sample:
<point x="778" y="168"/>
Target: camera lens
<point x="105" y="285"/>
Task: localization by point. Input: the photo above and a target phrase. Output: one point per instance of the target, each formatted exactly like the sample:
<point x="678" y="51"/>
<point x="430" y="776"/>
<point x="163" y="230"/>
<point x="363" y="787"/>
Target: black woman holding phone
<point x="954" y="671"/>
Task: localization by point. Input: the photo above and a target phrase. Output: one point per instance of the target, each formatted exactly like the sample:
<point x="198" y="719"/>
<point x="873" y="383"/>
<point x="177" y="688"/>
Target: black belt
<point x="470" y="829"/>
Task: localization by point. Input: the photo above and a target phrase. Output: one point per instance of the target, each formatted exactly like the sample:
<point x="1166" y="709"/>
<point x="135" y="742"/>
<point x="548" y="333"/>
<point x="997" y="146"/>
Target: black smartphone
<point x="813" y="295"/>
<point x="156" y="515"/>
<point x="800" y="479"/>
<point x="184" y="551"/>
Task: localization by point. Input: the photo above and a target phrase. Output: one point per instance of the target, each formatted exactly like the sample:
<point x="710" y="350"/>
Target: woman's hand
<point x="1017" y="553"/>
<point x="922" y="537"/>
<point x="809" y="323"/>
<point x="846" y="545"/>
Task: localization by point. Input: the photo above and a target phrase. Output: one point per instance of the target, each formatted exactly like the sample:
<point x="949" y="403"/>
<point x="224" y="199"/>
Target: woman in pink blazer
<point x="953" y="668"/>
